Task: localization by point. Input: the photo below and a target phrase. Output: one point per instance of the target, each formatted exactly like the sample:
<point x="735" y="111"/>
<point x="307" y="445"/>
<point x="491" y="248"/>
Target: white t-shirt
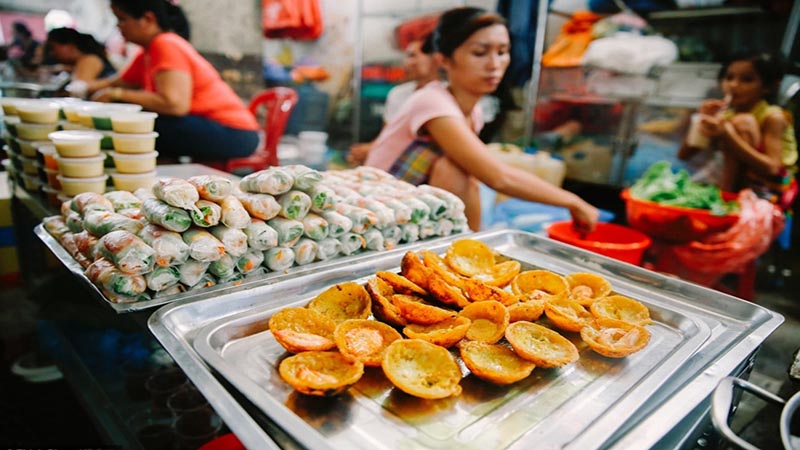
<point x="396" y="97"/>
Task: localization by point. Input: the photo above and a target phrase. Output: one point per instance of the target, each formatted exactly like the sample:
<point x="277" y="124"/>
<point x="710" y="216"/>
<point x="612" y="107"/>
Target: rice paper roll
<point x="260" y="206"/>
<point x="168" y="245"/>
<point x="235" y="278"/>
<point x="273" y="181"/>
<point x="172" y="290"/>
<point x="373" y="239"/>
<point x="328" y="248"/>
<point x="133" y="213"/>
<point x="74" y="222"/>
<point x="460" y="224"/>
<point x="90" y="201"/>
<point x="85" y="242"/>
<point x="351" y="243"/>
<point x="294" y="205"/>
<point x="305" y="178"/>
<point x="258" y="271"/>
<point x="100" y="223"/>
<point x="203" y="246"/>
<point x="323" y="199"/>
<point x="455" y="206"/>
<point x="289" y="231"/>
<point x="362" y="218"/>
<point x="68" y="242"/>
<point x="192" y="271"/>
<point x="427" y="229"/>
<point x="235" y="241"/>
<point x="305" y="251"/>
<point x="438" y="206"/>
<point x="144" y="193"/>
<point x="279" y="258"/>
<point x="337" y="224"/>
<point x="55" y="225"/>
<point x="250" y="261"/>
<point x="207" y="213"/>
<point x="176" y="192"/>
<point x="127" y="251"/>
<point x="169" y="217"/>
<point x="315" y="227"/>
<point x="260" y="236"/>
<point x="123" y="200"/>
<point x="391" y="236"/>
<point x="162" y="278"/>
<point x="420" y="211"/>
<point x="410" y="232"/>
<point x="212" y="187"/>
<point x="233" y="213"/>
<point x="383" y="214"/>
<point x="444" y="227"/>
<point x="205" y="281"/>
<point x="402" y="212"/>
<point x="223" y="267"/>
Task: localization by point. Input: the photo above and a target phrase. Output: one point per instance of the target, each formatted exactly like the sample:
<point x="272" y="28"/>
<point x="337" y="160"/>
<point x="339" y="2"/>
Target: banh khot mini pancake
<point x="489" y="321"/>
<point x="529" y="310"/>
<point x="446" y="293"/>
<point x="567" y="315"/>
<point x="539" y="285"/>
<point x="422" y="369"/>
<point x="302" y="329"/>
<point x="342" y="302"/>
<point x="382" y="307"/>
<point x="320" y="373"/>
<point x="364" y="340"/>
<point x="622" y="308"/>
<point x="412" y="268"/>
<point x="440" y="268"/>
<point x="585" y="288"/>
<point x="615" y="338"/>
<point x="494" y="363"/>
<point x="415" y="310"/>
<point x="400" y="284"/>
<point x="475" y="259"/>
<point x="444" y="334"/>
<point x="478" y="291"/>
<point x="541" y="345"/>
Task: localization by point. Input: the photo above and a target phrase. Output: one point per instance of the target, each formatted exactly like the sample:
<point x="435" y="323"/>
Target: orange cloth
<point x="211" y="96"/>
<point x="569" y="46"/>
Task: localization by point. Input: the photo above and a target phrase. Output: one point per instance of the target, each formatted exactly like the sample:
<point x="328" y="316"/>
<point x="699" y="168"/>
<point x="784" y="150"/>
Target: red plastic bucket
<point x="615" y="241"/>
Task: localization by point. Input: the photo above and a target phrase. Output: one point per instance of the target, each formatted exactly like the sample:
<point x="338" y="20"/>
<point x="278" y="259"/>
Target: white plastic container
<point x="134" y="143"/>
<point x="695" y="138"/>
<point x="76" y="144"/>
<point x="134" y="162"/>
<point x="46" y="155"/>
<point x="29" y="166"/>
<point x="81" y="167"/>
<point x="35" y="131"/>
<point x="31" y="182"/>
<point x="10" y="123"/>
<point x="71" y="109"/>
<point x="140" y="122"/>
<point x="29" y="148"/>
<point x="42" y="112"/>
<point x="132" y="181"/>
<point x="9" y="105"/>
<point x="74" y="186"/>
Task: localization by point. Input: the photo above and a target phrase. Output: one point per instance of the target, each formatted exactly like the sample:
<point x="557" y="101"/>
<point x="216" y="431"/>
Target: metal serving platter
<point x="214" y="291"/>
<point x="225" y="348"/>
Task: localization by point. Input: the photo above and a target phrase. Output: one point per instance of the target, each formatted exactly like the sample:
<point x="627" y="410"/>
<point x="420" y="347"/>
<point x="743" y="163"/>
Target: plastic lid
<point x="131" y="176"/>
<point x="132" y="115"/>
<point x="87" y="159"/>
<point x="62" y="178"/>
<point x="75" y="135"/>
<point x="149" y="135"/>
<point x="118" y="155"/>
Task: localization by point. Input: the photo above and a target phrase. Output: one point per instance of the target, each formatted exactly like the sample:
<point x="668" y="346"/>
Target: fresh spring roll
<point x="207" y="213"/>
<point x="383" y="213"/>
<point x="410" y="232"/>
<point x="125" y="299"/>
<point x="100" y="223"/>
<point x="223" y="267"/>
<point x="260" y="206"/>
<point x="272" y="181"/>
<point x="260" y="236"/>
<point x="250" y="261"/>
<point x="104" y="274"/>
<point x="455" y="206"/>
<point x="322" y="199"/>
<point x="258" y="271"/>
<point x="427" y="229"/>
<point x="294" y="205"/>
<point x="305" y="251"/>
<point x="374" y="239"/>
<point x="444" y="227"/>
<point x="315" y="227"/>
<point x="68" y="242"/>
<point x="169" y="217"/>
<point x="90" y="201"/>
<point x="85" y="242"/>
<point x="132" y="213"/>
<point x="55" y="225"/>
<point x="162" y="278"/>
<point x="438" y="206"/>
<point x="279" y="258"/>
<point x="233" y="213"/>
<point x="205" y="281"/>
<point x="289" y="231"/>
<point x="144" y="193"/>
<point x="168" y="245"/>
<point x="419" y="210"/>
<point x="305" y="178"/>
<point x="123" y="200"/>
<point x="391" y="236"/>
<point x="362" y="218"/>
<point x="172" y="290"/>
<point x="127" y="251"/>
<point x="402" y="212"/>
<point x="212" y="187"/>
<point x="235" y="278"/>
<point x="74" y="222"/>
<point x="460" y="224"/>
<point x="235" y="241"/>
<point x="203" y="246"/>
<point x="351" y="243"/>
<point x="337" y="223"/>
<point x="192" y="271"/>
<point x="176" y="192"/>
<point x="328" y="248"/>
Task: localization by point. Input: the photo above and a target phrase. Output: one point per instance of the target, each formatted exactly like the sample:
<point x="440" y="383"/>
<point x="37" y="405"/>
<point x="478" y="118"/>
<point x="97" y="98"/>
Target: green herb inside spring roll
<point x="315" y="227"/>
<point x="207" y="213"/>
<point x="294" y="205"/>
<point x="273" y="181"/>
<point x="223" y="267"/>
<point x="289" y="231"/>
<point x="212" y="187"/>
<point x="260" y="236"/>
<point x="169" y="217"/>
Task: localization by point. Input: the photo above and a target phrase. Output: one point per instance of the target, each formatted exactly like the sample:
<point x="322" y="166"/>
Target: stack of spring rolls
<point x="189" y="234"/>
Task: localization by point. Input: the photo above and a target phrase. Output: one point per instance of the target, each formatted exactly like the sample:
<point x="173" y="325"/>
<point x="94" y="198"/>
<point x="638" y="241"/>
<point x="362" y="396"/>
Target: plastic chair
<point x="279" y="103"/>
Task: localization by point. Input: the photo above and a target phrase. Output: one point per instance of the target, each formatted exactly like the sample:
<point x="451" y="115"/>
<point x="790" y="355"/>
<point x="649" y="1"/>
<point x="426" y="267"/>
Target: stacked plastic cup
<point x="134" y="152"/>
<point x="80" y="163"/>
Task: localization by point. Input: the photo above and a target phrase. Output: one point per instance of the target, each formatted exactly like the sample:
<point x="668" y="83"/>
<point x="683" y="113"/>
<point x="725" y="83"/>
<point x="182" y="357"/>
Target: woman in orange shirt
<point x="199" y="114"/>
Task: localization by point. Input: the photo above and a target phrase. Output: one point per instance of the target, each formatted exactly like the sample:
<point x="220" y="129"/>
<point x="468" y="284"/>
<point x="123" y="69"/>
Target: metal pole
<point x="536" y="71"/>
<point x="791" y="31"/>
<point x="357" y="65"/>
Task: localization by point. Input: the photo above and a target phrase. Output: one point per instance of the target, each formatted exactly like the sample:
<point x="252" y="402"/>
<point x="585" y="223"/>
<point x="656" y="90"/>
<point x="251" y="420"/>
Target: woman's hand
<point x="103" y="95"/>
<point x="712" y="106"/>
<point x="712" y="126"/>
<point x="358" y="153"/>
<point x="584" y="215"/>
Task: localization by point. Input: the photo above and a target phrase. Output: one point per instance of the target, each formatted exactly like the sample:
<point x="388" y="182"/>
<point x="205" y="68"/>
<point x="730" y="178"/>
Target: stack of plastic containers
<point x="80" y="163"/>
<point x="134" y="152"/>
<point x="36" y="119"/>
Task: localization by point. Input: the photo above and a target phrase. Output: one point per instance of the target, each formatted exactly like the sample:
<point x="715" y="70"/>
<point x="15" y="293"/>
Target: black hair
<point x="427" y="44"/>
<point x="768" y="67"/>
<point x="458" y="24"/>
<point x="22" y="29"/>
<point x="86" y="43"/>
<point x="170" y="17"/>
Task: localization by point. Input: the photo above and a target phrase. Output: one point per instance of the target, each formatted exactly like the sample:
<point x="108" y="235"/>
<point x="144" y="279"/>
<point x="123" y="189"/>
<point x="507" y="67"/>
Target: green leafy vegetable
<point x="660" y="185"/>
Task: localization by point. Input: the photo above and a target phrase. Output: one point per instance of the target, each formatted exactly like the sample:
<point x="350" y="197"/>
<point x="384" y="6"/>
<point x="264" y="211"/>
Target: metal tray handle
<point x="721" y="406"/>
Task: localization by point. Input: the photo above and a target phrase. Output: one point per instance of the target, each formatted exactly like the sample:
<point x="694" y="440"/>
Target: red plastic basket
<point x="615" y="241"/>
<point x="675" y="223"/>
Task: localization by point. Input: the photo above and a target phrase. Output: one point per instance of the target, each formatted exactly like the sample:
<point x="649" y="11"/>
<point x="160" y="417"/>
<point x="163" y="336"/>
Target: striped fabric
<point x="415" y="163"/>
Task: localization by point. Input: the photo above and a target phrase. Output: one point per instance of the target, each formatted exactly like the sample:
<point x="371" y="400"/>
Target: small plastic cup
<point x="192" y="432"/>
<point x="46" y="155"/>
<point x="76" y="144"/>
<point x="162" y="384"/>
<point x="75" y="186"/>
<point x="189" y="401"/>
<point x="81" y="167"/>
<point x="134" y="163"/>
<point x="134" y="143"/>
<point x="133" y="181"/>
<point x="153" y="429"/>
<point x="29" y="165"/>
<point x="9" y="105"/>
<point x="71" y="110"/>
<point x="29" y="149"/>
<point x="139" y="122"/>
<point x="11" y="123"/>
<point x="695" y="138"/>
<point x="35" y="131"/>
<point x="41" y="112"/>
<point x="31" y="182"/>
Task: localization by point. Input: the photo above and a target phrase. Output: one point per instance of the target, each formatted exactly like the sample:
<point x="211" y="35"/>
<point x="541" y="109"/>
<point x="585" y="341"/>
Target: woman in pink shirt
<point x="434" y="136"/>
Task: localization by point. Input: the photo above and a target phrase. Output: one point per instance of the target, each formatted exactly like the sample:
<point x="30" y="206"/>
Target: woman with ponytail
<point x="81" y="51"/>
<point x="199" y="115"/>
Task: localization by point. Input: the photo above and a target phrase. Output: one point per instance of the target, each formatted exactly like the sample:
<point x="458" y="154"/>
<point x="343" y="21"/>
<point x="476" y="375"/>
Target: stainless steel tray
<point x="592" y="404"/>
<point x="215" y="291"/>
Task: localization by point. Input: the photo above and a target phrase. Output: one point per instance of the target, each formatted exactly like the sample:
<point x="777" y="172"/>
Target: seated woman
<point x="199" y="114"/>
<point x="433" y="138"/>
<point x="83" y="53"/>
